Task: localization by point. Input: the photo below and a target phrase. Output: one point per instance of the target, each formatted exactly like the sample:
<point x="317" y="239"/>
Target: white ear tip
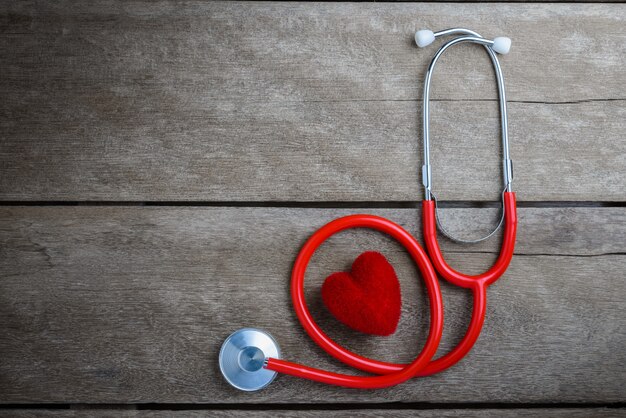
<point x="501" y="45"/>
<point x="424" y="37"/>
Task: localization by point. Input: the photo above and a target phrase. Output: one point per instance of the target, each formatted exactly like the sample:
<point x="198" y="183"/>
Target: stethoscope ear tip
<point x="243" y="355"/>
<point x="424" y="37"/>
<point x="501" y="45"/>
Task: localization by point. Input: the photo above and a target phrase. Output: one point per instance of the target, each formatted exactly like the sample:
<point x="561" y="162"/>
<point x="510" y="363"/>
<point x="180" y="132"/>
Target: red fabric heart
<point x="368" y="298"/>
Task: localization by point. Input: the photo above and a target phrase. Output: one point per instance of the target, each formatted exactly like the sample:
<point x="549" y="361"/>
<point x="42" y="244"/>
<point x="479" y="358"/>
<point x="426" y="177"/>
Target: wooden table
<point x="162" y="163"/>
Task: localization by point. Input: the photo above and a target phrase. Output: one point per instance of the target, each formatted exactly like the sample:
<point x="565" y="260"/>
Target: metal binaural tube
<point x="472" y="37"/>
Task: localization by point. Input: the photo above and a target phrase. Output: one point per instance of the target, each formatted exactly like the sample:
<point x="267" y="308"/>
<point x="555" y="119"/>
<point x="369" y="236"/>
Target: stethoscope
<point x="250" y="358"/>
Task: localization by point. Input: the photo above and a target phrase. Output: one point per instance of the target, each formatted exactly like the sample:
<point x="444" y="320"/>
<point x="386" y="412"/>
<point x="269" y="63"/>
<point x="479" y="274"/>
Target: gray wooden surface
<point x="284" y="116"/>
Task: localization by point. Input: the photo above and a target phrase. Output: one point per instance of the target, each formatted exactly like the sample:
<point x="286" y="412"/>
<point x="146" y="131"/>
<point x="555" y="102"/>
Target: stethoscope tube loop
<point x="389" y="374"/>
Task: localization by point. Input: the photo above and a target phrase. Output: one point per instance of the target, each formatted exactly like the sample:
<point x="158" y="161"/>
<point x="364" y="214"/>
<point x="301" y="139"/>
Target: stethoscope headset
<point x="250" y="358"/>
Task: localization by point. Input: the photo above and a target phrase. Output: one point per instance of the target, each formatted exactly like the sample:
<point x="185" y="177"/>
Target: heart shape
<point x="368" y="298"/>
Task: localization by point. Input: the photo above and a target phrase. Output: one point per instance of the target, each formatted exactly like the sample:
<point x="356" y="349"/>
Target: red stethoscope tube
<point x="390" y="374"/>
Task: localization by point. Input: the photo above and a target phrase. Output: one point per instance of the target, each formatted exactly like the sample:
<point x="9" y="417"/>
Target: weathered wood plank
<point x="282" y="101"/>
<point x="417" y="413"/>
<point x="365" y="151"/>
<point x="216" y="51"/>
<point x="131" y="304"/>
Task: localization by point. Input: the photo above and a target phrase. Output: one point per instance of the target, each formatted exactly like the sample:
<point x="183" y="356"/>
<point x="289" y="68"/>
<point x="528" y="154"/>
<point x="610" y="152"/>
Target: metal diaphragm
<point x="242" y="357"/>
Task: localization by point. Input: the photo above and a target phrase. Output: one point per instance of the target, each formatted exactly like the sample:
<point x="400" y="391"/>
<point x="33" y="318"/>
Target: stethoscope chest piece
<point x="243" y="356"/>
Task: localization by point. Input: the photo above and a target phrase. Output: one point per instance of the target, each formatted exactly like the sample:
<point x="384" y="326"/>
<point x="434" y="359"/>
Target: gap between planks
<point x="320" y="205"/>
<point x="168" y="410"/>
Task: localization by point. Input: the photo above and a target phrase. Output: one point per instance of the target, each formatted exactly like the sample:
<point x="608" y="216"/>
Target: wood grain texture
<point x="440" y="413"/>
<point x="223" y="101"/>
<point x="131" y="304"/>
